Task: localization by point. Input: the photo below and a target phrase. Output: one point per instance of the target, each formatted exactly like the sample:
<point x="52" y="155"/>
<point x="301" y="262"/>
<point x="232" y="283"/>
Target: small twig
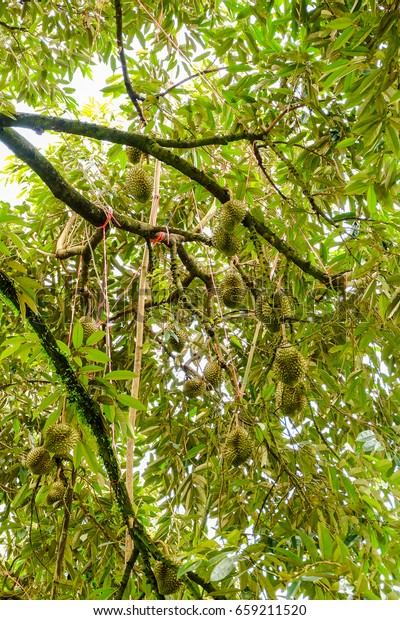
<point x="190" y="77"/>
<point x="21" y="28"/>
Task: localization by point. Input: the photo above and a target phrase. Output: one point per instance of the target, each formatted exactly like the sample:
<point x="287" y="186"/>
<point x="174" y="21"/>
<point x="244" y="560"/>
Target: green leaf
<point x="95" y="337"/>
<point x="120" y="375"/>
<point x="95" y="355"/>
<point x="222" y="569"/>
<point x="325" y="541"/>
<point x="130" y="401"/>
<point x="77" y="335"/>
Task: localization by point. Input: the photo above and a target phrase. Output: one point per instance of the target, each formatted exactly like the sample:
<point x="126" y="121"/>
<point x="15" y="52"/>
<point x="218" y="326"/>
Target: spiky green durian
<point x="167" y="581"/>
<point x="177" y="339"/>
<point x="225" y="241"/>
<point x="266" y="314"/>
<point x="56" y="493"/>
<point x="89" y="326"/>
<point x="290" y="401"/>
<point x="194" y="387"/>
<point x="289" y="365"/>
<point x="139" y="184"/>
<point x="39" y="461"/>
<point x="238" y="447"/>
<point x="60" y="439"/>
<point x="232" y="289"/>
<point x="133" y="154"/>
<point x="282" y="305"/>
<point x="212" y="374"/>
<point x="231" y="214"/>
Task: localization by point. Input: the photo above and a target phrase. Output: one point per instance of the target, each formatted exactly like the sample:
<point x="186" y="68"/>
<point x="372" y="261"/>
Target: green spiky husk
<point x="133" y="154"/>
<point x="231" y="214"/>
<point x="89" y="326"/>
<point x="282" y="305"/>
<point x="290" y="401"/>
<point x="232" y="289"/>
<point x="194" y="387"/>
<point x="266" y="314"/>
<point x="177" y="340"/>
<point x="238" y="447"/>
<point x="167" y="581"/>
<point x="56" y="493"/>
<point x="60" y="439"/>
<point x="39" y="461"/>
<point x="289" y="365"/>
<point x="139" y="184"/>
<point x="226" y="242"/>
<point x="213" y="374"/>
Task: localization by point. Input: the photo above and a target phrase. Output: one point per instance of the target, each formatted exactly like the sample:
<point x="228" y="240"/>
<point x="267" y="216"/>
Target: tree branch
<point x="144" y="143"/>
<point x="38" y="122"/>
<point x="284" y="248"/>
<point x="127" y="573"/>
<point x="133" y="96"/>
<point x="190" y="77"/>
<point x="78" y="203"/>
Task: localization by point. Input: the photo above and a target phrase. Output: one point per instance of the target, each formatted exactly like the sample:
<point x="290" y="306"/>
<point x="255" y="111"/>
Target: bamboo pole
<point x="137" y="365"/>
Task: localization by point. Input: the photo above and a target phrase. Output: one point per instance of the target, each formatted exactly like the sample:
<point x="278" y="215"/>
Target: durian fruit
<point x="282" y="305"/>
<point x="39" y="461"/>
<point x="60" y="439"/>
<point x="290" y="401"/>
<point x="289" y="365"/>
<point x="177" y="340"/>
<point x="194" y="387"/>
<point x="139" y="184"/>
<point x="213" y="374"/>
<point x="89" y="326"/>
<point x="232" y="289"/>
<point x="56" y="493"/>
<point x="167" y="581"/>
<point x="225" y="241"/>
<point x="238" y="446"/>
<point x="133" y="154"/>
<point x="266" y="314"/>
<point x="231" y="214"/>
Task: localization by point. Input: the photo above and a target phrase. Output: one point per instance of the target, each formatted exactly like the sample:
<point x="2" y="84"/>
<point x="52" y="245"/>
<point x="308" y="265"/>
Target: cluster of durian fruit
<point x="289" y="365"/>
<point x="230" y="216"/>
<point x="211" y="378"/>
<point x="289" y="369"/>
<point x="139" y="183"/>
<point x="59" y="440"/>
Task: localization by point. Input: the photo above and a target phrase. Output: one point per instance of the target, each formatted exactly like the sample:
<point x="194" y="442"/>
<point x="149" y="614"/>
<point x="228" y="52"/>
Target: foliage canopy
<point x="293" y="109"/>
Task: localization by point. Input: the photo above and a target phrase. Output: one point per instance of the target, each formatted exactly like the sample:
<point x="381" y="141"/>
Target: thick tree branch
<point x="144" y="143"/>
<point x="73" y="199"/>
<point x="39" y="123"/>
<point x="291" y="254"/>
<point x="96" y="216"/>
<point x="133" y="96"/>
<point x="127" y="573"/>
